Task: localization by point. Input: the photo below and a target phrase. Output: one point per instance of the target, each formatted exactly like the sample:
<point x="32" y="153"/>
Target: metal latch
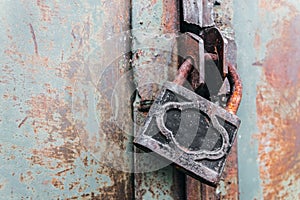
<point x="195" y="128"/>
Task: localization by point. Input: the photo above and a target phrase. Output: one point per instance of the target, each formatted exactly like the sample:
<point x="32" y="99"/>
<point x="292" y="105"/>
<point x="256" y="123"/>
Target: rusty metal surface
<point x="193" y="189"/>
<point x="47" y="100"/>
<point x="272" y="90"/>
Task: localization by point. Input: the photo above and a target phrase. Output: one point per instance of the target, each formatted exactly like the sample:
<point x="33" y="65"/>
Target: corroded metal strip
<point x="193" y="188"/>
<point x="228" y="186"/>
<point x="154" y="26"/>
<point x="191" y="46"/>
<point x="192" y="11"/>
<point x="198" y="12"/>
<point x="154" y="59"/>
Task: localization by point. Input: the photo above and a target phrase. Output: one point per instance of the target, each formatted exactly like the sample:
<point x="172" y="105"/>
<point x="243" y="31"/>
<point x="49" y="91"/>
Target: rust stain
<point x="193" y="189"/>
<point x="52" y="115"/>
<point x="26" y="177"/>
<point x="46" y="11"/>
<point x="81" y="35"/>
<point x="57" y="183"/>
<point x="272" y="5"/>
<point x="278" y="113"/>
<point x="257" y="41"/>
<point x="282" y="70"/>
<point x="170" y="15"/>
<point x="27" y="60"/>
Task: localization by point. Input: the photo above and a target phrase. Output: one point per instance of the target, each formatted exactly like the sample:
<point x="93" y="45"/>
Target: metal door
<point x="67" y="121"/>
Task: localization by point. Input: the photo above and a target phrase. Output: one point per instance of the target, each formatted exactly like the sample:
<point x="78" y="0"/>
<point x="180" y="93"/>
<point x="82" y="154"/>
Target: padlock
<point x="187" y="129"/>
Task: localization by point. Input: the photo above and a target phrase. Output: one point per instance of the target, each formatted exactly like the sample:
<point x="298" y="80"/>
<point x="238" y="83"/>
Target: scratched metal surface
<point x="51" y="143"/>
<point x="269" y="144"/>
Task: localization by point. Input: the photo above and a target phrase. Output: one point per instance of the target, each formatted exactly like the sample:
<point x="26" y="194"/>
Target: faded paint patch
<point x="278" y="102"/>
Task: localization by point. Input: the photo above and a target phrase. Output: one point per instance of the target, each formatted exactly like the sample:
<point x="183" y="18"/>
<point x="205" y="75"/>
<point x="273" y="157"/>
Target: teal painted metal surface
<point x="153" y="30"/>
<point x="51" y="141"/>
<point x="268" y="41"/>
<point x="245" y="20"/>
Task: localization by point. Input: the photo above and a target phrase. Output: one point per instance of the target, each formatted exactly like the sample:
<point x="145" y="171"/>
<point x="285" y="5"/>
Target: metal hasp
<point x="192" y="46"/>
<point x="210" y="44"/>
<point x="188" y="123"/>
<point x="198" y="12"/>
<point x="199" y="15"/>
<point x="192" y="132"/>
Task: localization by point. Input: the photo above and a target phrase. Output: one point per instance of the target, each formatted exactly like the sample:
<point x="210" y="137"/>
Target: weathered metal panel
<point x="54" y="132"/>
<point x="268" y="32"/>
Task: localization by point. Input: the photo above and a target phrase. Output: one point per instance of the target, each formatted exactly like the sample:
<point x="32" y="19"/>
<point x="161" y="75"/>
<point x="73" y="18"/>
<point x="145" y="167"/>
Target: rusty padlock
<point x="192" y="132"/>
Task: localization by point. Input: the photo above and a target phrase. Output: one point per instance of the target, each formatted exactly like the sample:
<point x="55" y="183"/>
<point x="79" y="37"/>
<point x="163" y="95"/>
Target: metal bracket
<point x="191" y="45"/>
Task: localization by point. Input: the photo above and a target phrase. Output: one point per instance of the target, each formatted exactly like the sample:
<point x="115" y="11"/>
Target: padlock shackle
<point x="183" y="71"/>
<point x="237" y="88"/>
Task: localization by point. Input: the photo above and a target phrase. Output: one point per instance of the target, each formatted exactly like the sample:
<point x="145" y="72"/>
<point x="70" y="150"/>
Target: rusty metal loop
<point x="183" y="71"/>
<point x="237" y="88"/>
<point x="181" y="76"/>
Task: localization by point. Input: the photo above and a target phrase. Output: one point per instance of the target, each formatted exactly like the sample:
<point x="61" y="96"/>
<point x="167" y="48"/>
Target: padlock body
<point x="192" y="132"/>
